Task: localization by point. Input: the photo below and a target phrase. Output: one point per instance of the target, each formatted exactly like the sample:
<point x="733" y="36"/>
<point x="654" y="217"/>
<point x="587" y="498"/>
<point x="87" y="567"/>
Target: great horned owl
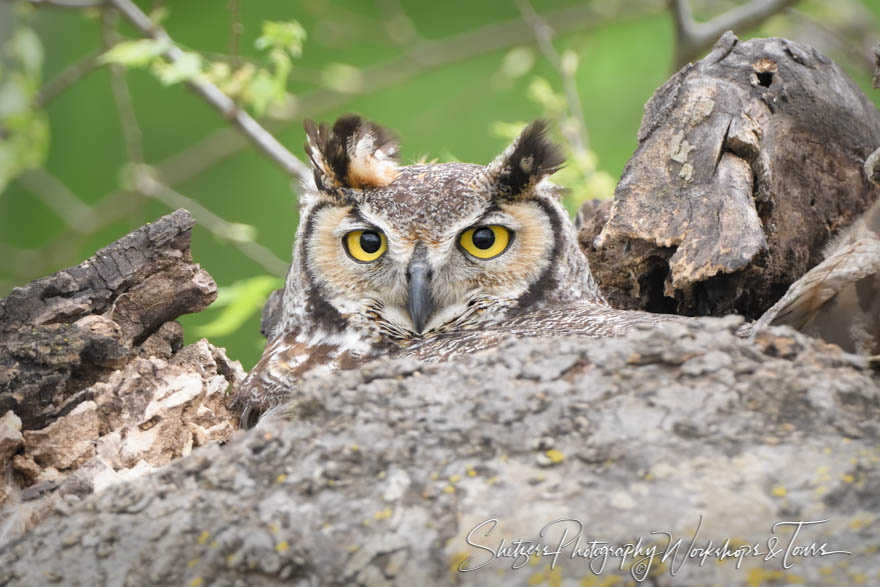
<point x="431" y="261"/>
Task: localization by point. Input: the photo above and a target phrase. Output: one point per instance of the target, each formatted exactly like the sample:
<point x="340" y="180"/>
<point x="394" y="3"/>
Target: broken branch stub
<point x="747" y="163"/>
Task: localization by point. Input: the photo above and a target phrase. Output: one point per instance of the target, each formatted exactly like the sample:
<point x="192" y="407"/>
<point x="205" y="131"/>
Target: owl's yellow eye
<point x="365" y="246"/>
<point x="485" y="242"/>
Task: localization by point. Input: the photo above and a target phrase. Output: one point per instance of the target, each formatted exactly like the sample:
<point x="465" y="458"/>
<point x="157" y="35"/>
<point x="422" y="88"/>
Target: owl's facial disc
<point x="409" y="280"/>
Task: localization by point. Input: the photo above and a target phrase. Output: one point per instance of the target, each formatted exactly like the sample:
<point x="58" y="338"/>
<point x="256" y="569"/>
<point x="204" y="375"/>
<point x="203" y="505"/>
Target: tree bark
<point x="748" y="162"/>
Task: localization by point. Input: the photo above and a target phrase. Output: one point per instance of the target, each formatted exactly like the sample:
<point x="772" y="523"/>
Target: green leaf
<point x="285" y="35"/>
<point x="136" y="53"/>
<point x="517" y="62"/>
<point x="26" y="47"/>
<point x="262" y="91"/>
<point x="239" y="301"/>
<point x="184" y="69"/>
<point x="14" y="97"/>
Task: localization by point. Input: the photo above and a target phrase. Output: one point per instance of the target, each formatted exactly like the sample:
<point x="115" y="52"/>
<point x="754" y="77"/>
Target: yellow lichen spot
<point x="853" y="461"/>
<point x="273" y="528"/>
<point x="192" y="563"/>
<point x="203" y="537"/>
<point x="648" y="476"/>
<point x="454" y="478"/>
<point x="383" y="514"/>
<point x="847" y="478"/>
<point x="354" y="447"/>
<point x="367" y="522"/>
<point x="331" y="482"/>
<point x="534" y="559"/>
<point x="214" y="544"/>
<point x="492" y="480"/>
<point x="610" y="580"/>
<point x="589" y="580"/>
<point x="281" y="478"/>
<point x="858" y="578"/>
<point x="756" y="577"/>
<point x="381" y="475"/>
<point x="826" y="450"/>
<point x="555" y="456"/>
<point x="449" y="489"/>
<point x="503" y="458"/>
<point x="354" y="548"/>
<point x="826" y="570"/>
<point x="434" y="475"/>
<point x="859" y="522"/>
<point x="779" y="491"/>
<point x="282" y="547"/>
<point x="847" y="440"/>
<point x="197" y="582"/>
<point x="456" y="561"/>
<point x="871" y="549"/>
<point x="537" y="578"/>
<point x="471" y="472"/>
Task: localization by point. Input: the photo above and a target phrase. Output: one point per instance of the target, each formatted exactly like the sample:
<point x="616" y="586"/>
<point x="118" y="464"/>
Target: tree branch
<point x="60" y="199"/>
<point x="241" y="235"/>
<point x="71" y="4"/>
<point x="258" y="135"/>
<point x="131" y="130"/>
<point x="579" y="139"/>
<point x="693" y="38"/>
<point x="72" y="74"/>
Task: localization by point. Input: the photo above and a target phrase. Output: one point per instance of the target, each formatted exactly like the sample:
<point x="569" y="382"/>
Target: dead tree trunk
<point x="748" y="162"/>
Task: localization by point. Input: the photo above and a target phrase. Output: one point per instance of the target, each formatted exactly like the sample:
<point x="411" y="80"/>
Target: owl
<point x="429" y="261"/>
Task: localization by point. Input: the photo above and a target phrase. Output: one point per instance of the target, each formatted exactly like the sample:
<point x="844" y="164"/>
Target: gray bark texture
<point x="391" y="474"/>
<point x="377" y="475"/>
<point x="748" y="162"/>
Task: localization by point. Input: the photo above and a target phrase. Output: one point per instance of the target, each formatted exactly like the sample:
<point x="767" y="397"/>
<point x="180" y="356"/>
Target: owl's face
<point x="429" y="251"/>
<point x="410" y="251"/>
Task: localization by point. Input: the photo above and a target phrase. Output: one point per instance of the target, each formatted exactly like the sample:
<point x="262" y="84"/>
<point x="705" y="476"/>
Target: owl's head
<point x="421" y="249"/>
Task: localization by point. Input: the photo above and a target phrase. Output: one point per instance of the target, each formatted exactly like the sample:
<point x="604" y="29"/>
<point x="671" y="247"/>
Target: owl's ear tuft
<point x="528" y="160"/>
<point x="354" y="153"/>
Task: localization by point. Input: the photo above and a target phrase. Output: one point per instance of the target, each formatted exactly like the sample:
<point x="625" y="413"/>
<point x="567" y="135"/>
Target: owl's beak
<point x="419" y="274"/>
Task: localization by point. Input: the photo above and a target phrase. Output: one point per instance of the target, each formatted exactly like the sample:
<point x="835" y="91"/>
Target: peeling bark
<point x="748" y="162"/>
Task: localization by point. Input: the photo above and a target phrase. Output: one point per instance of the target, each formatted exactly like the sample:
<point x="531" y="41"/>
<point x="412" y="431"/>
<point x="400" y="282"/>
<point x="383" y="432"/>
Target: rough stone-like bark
<point x="94" y="384"/>
<point x="376" y="476"/>
<point x="747" y="163"/>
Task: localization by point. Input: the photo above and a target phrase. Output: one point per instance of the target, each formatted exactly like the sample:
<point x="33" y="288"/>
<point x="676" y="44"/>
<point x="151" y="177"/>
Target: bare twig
<point x="235" y="232"/>
<point x="837" y="40"/>
<point x="235" y="32"/>
<point x="60" y="83"/>
<point x="60" y="199"/>
<point x="544" y="35"/>
<point x="258" y="135"/>
<point x="693" y="38"/>
<point x="131" y="130"/>
<point x="72" y="4"/>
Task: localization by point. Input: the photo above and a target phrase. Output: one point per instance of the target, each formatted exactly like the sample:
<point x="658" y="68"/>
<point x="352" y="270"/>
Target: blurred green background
<point x="443" y="75"/>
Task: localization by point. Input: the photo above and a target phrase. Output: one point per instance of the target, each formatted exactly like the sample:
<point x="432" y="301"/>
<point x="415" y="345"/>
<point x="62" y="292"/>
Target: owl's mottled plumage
<point x="426" y="295"/>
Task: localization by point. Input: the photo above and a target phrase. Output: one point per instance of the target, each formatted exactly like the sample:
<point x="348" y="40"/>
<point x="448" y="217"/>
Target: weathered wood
<point x="94" y="383"/>
<point x="748" y="162"/>
<point x="376" y="475"/>
<point x="62" y="333"/>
